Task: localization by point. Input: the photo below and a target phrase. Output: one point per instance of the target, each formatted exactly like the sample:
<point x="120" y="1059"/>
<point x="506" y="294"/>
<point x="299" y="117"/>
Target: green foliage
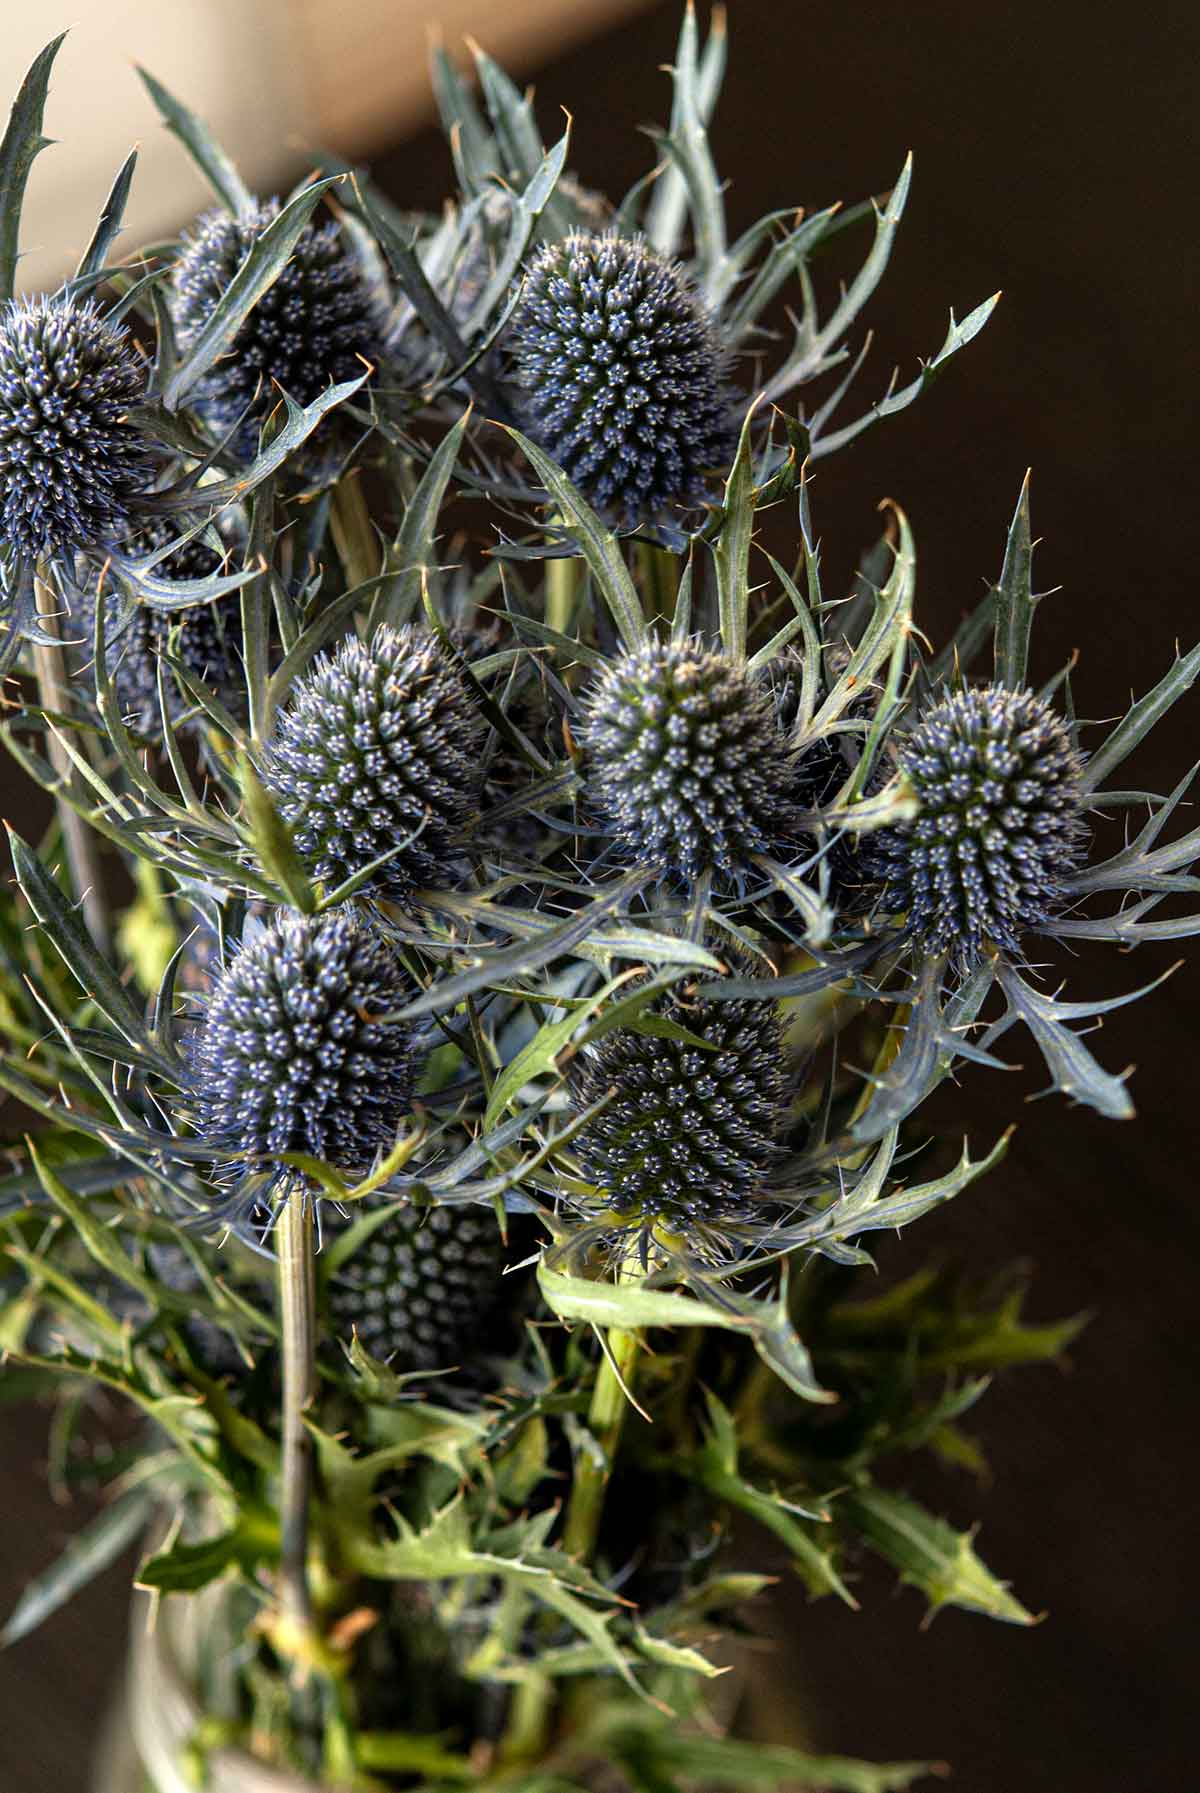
<point x="419" y="1578"/>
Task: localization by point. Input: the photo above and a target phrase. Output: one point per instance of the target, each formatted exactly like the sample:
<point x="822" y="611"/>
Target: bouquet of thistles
<point x="496" y="922"/>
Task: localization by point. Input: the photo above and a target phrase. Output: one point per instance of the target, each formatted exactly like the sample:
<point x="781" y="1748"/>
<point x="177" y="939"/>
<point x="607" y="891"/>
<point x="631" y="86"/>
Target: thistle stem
<point x="54" y="693"/>
<point x="606" y="1421"/>
<point x="353" y="536"/>
<point x="659" y="571"/>
<point x="529" y="1717"/>
<point x="297" y="1314"/>
<point x="562" y="579"/>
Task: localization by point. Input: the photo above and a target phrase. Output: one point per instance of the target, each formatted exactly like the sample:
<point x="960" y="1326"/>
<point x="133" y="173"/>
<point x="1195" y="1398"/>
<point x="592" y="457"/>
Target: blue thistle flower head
<point x="315" y="326"/>
<point x="624" y="375"/>
<point x="1000" y="827"/>
<point x="690" y="1134"/>
<point x="72" y="463"/>
<point x="295" y="1053"/>
<point x="380" y="739"/>
<point x="420" y="1288"/>
<point x="687" y="760"/>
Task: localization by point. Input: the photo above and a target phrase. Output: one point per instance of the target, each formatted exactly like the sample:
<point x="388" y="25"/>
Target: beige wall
<point x="272" y="78"/>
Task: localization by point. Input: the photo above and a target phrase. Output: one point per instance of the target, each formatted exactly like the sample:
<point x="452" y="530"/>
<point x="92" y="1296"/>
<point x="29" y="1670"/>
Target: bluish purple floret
<point x="1000" y="827"/>
<point x="691" y="1132"/>
<point x="687" y="761"/>
<point x="624" y="375"/>
<point x="319" y="324"/>
<point x="72" y="462"/>
<point x="296" y="1054"/>
<point x="380" y="740"/>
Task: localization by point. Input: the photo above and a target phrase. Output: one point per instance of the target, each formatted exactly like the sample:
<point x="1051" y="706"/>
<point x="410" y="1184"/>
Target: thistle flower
<point x="1000" y="828"/>
<point x="687" y="761"/>
<point x="315" y="326"/>
<point x="690" y="1132"/>
<point x="72" y="463"/>
<point x="293" y="1054"/>
<point x="624" y="375"/>
<point x="419" y="1289"/>
<point x="380" y="739"/>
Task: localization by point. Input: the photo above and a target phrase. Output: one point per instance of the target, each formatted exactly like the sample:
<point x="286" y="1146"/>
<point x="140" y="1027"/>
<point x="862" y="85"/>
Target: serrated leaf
<point x="597" y="544"/>
<point x="96" y="978"/>
<point x="203" y="148"/>
<point x="1015" y="600"/>
<point x="264" y="262"/>
<point x="731" y="552"/>
<point x="108" y="225"/>
<point x="273" y="842"/>
<point x="22" y="142"/>
<point x="957" y="337"/>
<point x="1140" y="719"/>
<point x="631" y="1306"/>
<point x="183" y="1568"/>
<point x="539" y="1057"/>
<point x="931" y="1555"/>
<point x="413" y="549"/>
<point x="100" y="1542"/>
<point x="668" y="206"/>
<point x="715" y="1467"/>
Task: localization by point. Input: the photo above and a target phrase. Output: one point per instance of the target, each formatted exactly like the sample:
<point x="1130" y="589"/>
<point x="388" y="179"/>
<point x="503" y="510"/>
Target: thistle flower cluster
<point x="624" y="375"/>
<point x="999" y="830"/>
<point x="690" y="1131"/>
<point x="379" y="752"/>
<point x="687" y="762"/>
<point x="419" y="1290"/>
<point x="634" y="892"/>
<point x="318" y="324"/>
<point x="299" y="1050"/>
<point x="73" y="461"/>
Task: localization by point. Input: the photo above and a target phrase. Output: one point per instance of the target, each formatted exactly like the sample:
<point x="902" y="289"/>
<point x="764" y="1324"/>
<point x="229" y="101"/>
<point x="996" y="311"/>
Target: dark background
<point x="1056" y="158"/>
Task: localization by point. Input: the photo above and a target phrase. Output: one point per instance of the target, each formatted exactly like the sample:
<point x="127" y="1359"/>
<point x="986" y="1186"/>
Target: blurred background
<point x="1056" y="157"/>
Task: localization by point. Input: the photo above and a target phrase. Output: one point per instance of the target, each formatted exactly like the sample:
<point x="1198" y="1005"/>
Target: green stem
<point x="659" y="570"/>
<point x="353" y="536"/>
<point x="54" y="692"/>
<point x="528" y="1725"/>
<point x="606" y="1420"/>
<point x="297" y="1313"/>
<point x="562" y="581"/>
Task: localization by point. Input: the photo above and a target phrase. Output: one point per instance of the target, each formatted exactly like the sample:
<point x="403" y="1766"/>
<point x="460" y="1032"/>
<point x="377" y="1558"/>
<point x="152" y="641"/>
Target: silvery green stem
<point x="297" y="1314"/>
<point x="54" y="692"/>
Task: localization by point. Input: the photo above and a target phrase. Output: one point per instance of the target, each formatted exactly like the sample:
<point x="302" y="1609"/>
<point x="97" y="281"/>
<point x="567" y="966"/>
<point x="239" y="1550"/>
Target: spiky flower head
<point x="295" y="1053"/>
<point x="624" y="375"/>
<point x="1000" y="824"/>
<point x="690" y="1133"/>
<point x="72" y="463"/>
<point x="379" y="739"/>
<point x="419" y="1290"/>
<point x="687" y="760"/>
<point x="316" y="326"/>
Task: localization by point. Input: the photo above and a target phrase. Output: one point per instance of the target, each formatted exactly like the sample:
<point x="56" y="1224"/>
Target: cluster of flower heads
<point x="693" y="770"/>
